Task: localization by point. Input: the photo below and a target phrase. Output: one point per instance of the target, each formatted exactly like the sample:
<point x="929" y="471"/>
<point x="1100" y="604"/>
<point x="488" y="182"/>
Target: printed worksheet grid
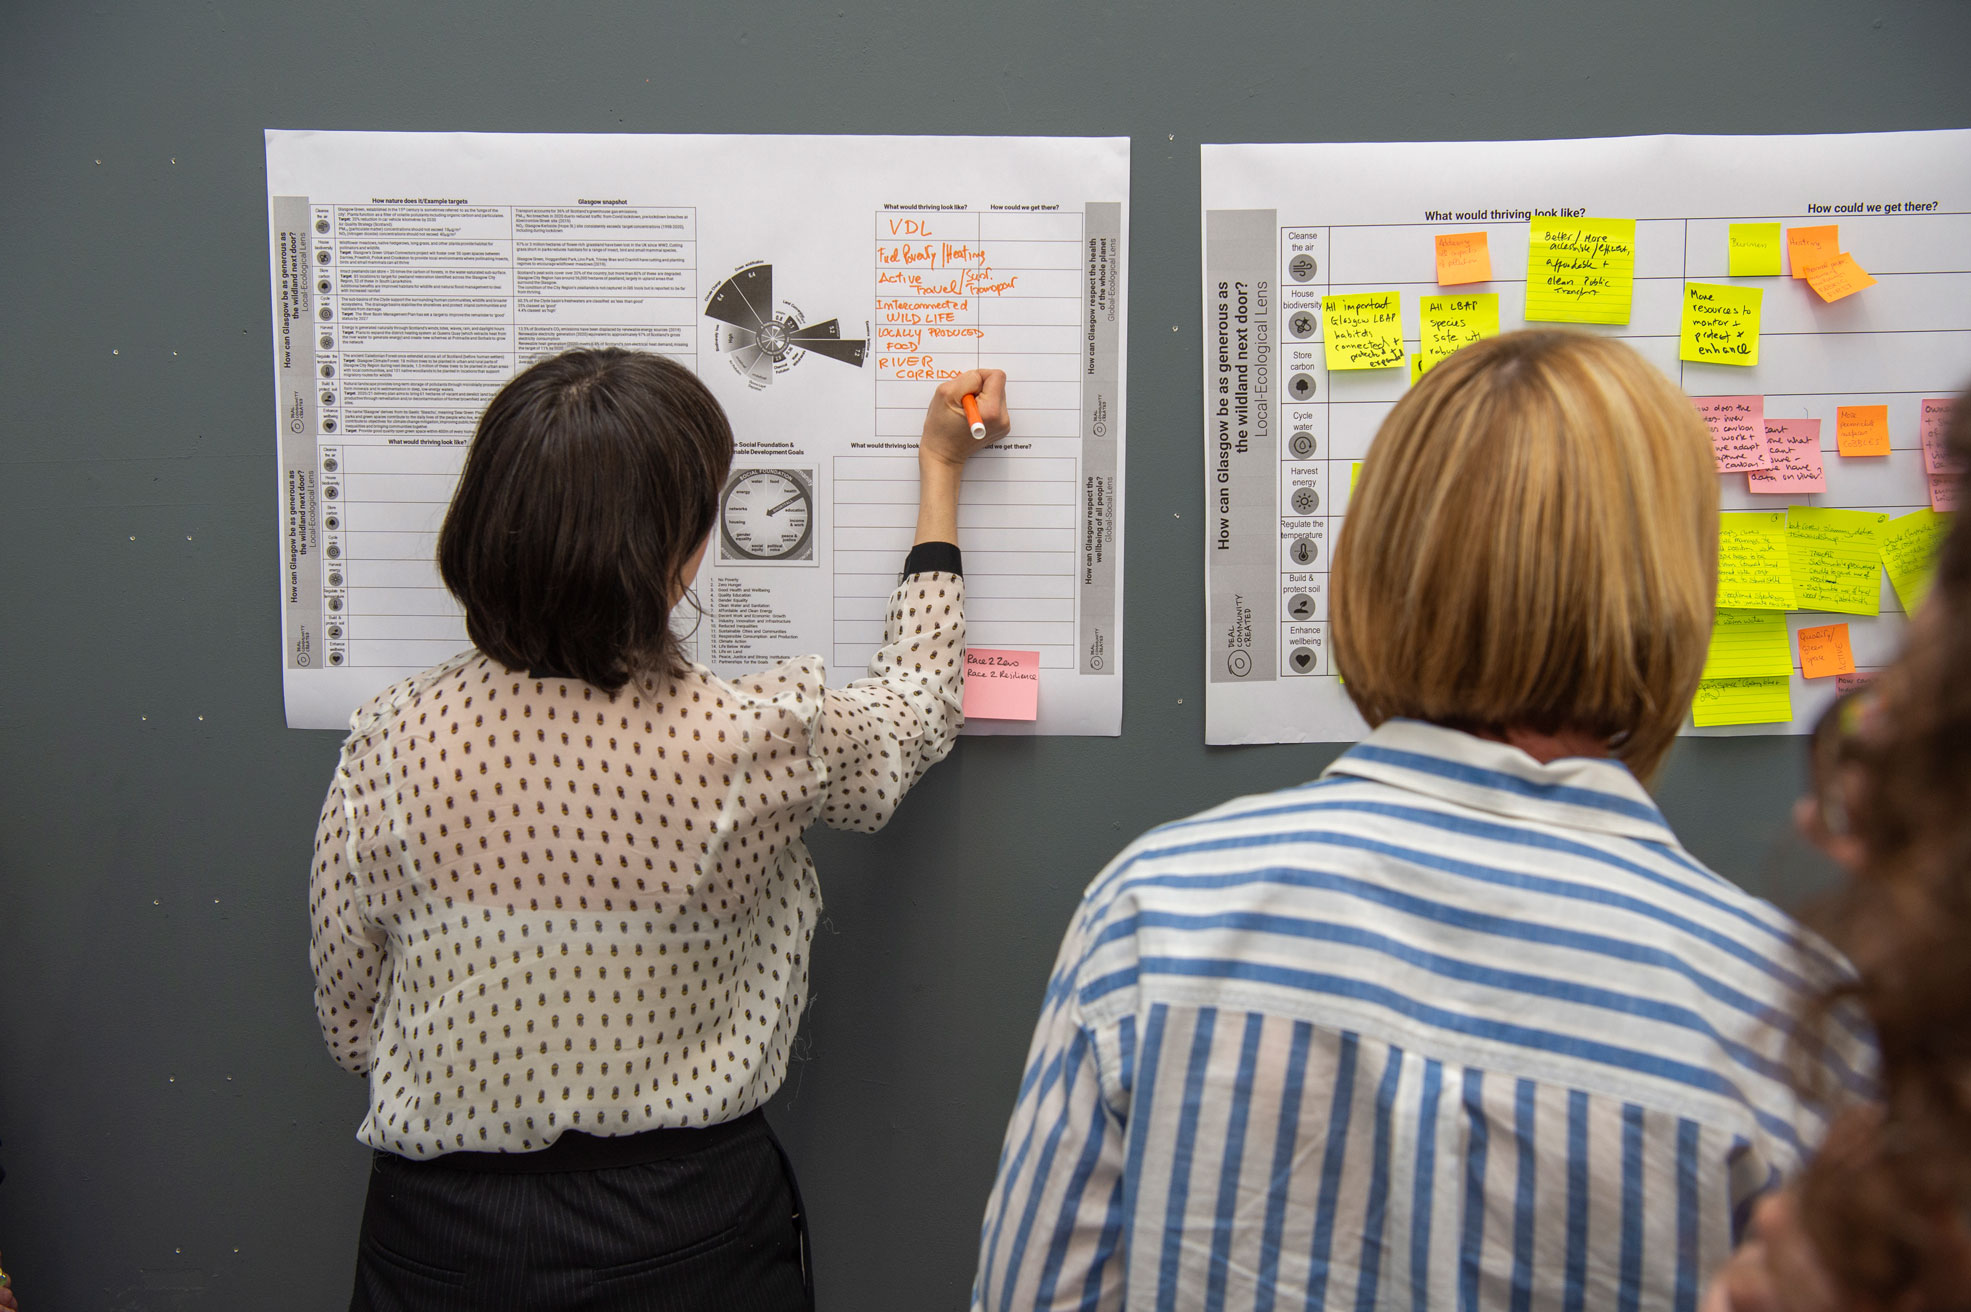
<point x="955" y="291"/>
<point x="423" y="316"/>
<point x="1902" y="341"/>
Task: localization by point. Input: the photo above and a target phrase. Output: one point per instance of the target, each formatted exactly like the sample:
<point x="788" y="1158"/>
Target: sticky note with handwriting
<point x="1935" y="422"/>
<point x="1836" y="558"/>
<point x="1806" y="247"/>
<point x="1847" y="683"/>
<point x="1753" y="250"/>
<point x="1794" y="445"/>
<point x="1754" y="571"/>
<point x="1862" y="430"/>
<point x="1944" y="490"/>
<point x="1417" y="367"/>
<point x="1837" y="278"/>
<point x="1765" y="700"/>
<point x="1721" y="323"/>
<point x="1747" y="643"/>
<point x="1738" y="431"/>
<point x="1001" y="685"/>
<point x="1580" y="270"/>
<point x="1824" y="650"/>
<point x="1463" y="257"/>
<point x="1909" y="552"/>
<point x="1449" y="322"/>
<point x="1363" y="331"/>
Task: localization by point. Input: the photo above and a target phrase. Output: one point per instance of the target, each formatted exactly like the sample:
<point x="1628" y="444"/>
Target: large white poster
<point x="1852" y="381"/>
<point x="821" y="286"/>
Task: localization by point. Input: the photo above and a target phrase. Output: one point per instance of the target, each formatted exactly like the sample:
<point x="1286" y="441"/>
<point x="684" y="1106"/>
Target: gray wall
<point x="175" y="1136"/>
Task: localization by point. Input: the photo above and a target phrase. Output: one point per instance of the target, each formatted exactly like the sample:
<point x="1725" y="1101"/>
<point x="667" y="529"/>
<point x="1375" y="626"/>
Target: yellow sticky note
<point x="1836" y="558"/>
<point x="1721" y="323"/>
<point x="1806" y="247"/>
<point x="1747" y="644"/>
<point x="1861" y="430"/>
<point x="1363" y="331"/>
<point x="1754" y="250"/>
<point x="1463" y="257"/>
<point x="1754" y="572"/>
<point x="1449" y="322"/>
<point x="1765" y="700"/>
<point x="1838" y="277"/>
<point x="1824" y="650"/>
<point x="1909" y="552"/>
<point x="1417" y="367"/>
<point x="1580" y="270"/>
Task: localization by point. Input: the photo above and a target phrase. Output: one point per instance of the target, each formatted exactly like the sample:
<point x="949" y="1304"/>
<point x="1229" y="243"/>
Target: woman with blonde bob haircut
<point x="1532" y="546"/>
<point x="1459" y="1023"/>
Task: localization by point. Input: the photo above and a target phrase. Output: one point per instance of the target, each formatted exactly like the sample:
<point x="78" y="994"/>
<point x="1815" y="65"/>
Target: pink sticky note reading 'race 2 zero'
<point x="1001" y="685"/>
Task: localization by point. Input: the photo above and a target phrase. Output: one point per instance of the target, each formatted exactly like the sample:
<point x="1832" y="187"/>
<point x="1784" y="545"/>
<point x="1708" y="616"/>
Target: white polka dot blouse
<point x="537" y="907"/>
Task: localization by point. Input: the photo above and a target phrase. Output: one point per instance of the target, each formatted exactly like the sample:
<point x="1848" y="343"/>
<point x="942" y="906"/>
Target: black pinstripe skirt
<point x="668" y="1221"/>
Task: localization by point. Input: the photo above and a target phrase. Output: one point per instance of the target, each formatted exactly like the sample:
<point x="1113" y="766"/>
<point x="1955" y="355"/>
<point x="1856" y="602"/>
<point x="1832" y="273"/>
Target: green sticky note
<point x="1836" y="558"/>
<point x="1449" y="322"/>
<point x="1909" y="553"/>
<point x="1364" y="331"/>
<point x="1580" y="270"/>
<point x="1754" y="572"/>
<point x="1755" y="249"/>
<point x="1767" y="699"/>
<point x="1721" y="323"/>
<point x="1748" y="644"/>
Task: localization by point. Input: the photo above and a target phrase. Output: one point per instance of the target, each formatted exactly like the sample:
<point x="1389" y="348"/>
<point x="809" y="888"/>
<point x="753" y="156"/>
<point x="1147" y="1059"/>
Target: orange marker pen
<point x="971" y="403"/>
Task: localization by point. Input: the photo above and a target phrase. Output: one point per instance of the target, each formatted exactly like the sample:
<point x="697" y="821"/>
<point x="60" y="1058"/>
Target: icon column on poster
<point x="1305" y="501"/>
<point x="325" y="279"/>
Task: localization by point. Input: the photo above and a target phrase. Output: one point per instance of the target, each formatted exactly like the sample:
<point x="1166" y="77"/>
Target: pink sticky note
<point x="1936" y="418"/>
<point x="1850" y="682"/>
<point x="1738" y="431"/>
<point x="1002" y="685"/>
<point x="1795" y="447"/>
<point x="1944" y="489"/>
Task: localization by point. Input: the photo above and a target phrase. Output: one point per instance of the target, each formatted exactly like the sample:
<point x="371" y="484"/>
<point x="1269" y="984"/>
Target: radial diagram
<point x="763" y="336"/>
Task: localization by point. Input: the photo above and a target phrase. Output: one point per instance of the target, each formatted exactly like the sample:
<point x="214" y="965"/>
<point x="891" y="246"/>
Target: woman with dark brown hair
<point x="1882" y="1217"/>
<point x="561" y="911"/>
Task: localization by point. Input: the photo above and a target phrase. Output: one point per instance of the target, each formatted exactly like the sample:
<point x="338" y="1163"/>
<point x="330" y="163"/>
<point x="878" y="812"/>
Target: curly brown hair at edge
<point x="1888" y="1201"/>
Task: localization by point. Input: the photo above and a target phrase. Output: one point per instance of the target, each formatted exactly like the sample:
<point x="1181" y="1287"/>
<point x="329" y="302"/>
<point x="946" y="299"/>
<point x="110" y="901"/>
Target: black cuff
<point x="927" y="557"/>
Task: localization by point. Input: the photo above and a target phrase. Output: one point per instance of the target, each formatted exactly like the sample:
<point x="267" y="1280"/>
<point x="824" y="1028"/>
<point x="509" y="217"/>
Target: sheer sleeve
<point x="876" y="736"/>
<point x="347" y="953"/>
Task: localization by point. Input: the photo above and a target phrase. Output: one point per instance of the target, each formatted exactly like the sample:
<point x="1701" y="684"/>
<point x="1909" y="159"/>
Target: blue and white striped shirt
<point x="1446" y="1028"/>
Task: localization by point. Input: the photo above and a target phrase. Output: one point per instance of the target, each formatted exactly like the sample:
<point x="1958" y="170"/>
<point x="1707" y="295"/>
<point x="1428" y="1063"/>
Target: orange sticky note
<point x="1838" y="277"/>
<point x="1862" y="430"/>
<point x="1463" y="257"/>
<point x="1806" y="247"/>
<point x="1824" y="650"/>
<point x="1001" y="685"/>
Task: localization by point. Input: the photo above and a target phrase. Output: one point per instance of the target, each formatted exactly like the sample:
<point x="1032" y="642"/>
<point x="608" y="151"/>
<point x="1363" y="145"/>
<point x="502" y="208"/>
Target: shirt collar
<point x="1578" y="792"/>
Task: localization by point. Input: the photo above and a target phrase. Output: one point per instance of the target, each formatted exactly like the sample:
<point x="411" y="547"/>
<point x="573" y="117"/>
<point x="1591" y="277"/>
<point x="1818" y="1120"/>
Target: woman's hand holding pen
<point x="948" y="443"/>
